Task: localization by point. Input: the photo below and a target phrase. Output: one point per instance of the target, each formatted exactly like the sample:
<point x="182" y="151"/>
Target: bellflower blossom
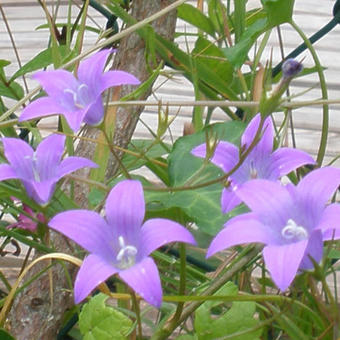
<point x="261" y="162"/>
<point x="120" y="243"/>
<point x="39" y="170"/>
<point x="291" y="221"/>
<point x="78" y="99"/>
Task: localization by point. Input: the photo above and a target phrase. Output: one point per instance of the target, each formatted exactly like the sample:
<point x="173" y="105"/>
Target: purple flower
<point x="261" y="162"/>
<point x="78" y="99"/>
<point x="120" y="244"/>
<point x="39" y="170"/>
<point x="291" y="221"/>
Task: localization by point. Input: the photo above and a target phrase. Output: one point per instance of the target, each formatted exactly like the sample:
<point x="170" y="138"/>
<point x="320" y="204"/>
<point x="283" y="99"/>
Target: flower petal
<point x="116" y="78"/>
<point x="48" y="156"/>
<point x="144" y="279"/>
<point x="7" y="172"/>
<point x="71" y="164"/>
<point x="330" y="222"/>
<point x="91" y="69"/>
<point x="41" y="191"/>
<point x="19" y="154"/>
<point x="157" y="232"/>
<point x="265" y="144"/>
<point x="226" y="155"/>
<point x="229" y="200"/>
<point x="125" y="209"/>
<point x="54" y="82"/>
<point x="41" y="107"/>
<point x="318" y="186"/>
<point x="283" y="262"/>
<point x="245" y="228"/>
<point x="86" y="228"/>
<point x="95" y="113"/>
<point x="75" y="118"/>
<point x="314" y="249"/>
<point x="92" y="273"/>
<point x="286" y="160"/>
<point x="270" y="200"/>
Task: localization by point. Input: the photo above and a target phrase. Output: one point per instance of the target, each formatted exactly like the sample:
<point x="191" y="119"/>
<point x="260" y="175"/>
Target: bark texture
<point x="33" y="316"/>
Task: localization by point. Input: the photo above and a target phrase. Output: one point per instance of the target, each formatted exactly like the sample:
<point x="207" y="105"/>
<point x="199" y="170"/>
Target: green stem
<point x="5" y="281"/>
<point x="182" y="285"/>
<point x="325" y="116"/>
<point x="114" y="153"/>
<point x="135" y="305"/>
<point x="215" y="285"/>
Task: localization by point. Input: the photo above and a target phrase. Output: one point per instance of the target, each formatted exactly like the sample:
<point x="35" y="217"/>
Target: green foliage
<point x="5" y="336"/>
<point x="9" y="88"/>
<point x="41" y="60"/>
<point x="214" y="321"/>
<point x="97" y="321"/>
<point x="201" y="205"/>
<point x="195" y="17"/>
<point x="143" y="152"/>
<point x="278" y="11"/>
<point x="211" y="56"/>
<point x="237" y="54"/>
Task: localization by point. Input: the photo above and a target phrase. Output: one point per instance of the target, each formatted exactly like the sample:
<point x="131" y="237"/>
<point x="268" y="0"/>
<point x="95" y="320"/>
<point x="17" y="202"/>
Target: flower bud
<point x="163" y="121"/>
<point x="290" y="68"/>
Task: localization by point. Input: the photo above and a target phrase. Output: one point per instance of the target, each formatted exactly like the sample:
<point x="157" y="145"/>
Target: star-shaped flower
<point x="291" y="221"/>
<point x="39" y="170"/>
<point x="120" y="243"/>
<point x="261" y="162"/>
<point x="78" y="99"/>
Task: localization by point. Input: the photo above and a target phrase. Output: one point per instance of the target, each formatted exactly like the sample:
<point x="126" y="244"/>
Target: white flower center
<point x="80" y="97"/>
<point x="292" y="231"/>
<point x="126" y="256"/>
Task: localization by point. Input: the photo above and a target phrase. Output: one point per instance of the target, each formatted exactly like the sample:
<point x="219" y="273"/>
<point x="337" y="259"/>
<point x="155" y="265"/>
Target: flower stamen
<point x="126" y="255"/>
<point x="79" y="95"/>
<point x="292" y="231"/>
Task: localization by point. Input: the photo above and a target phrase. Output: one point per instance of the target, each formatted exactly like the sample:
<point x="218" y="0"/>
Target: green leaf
<point x="239" y="318"/>
<point x="97" y="321"/>
<point x="195" y="17"/>
<point x="237" y="54"/>
<point x="145" y="151"/>
<point x="334" y="254"/>
<point x="215" y="8"/>
<point x="41" y="60"/>
<point x="213" y="57"/>
<point x="5" y="336"/>
<point x="183" y="165"/>
<point x="187" y="337"/>
<point x="278" y="11"/>
<point x="3" y="64"/>
<point x="11" y="90"/>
